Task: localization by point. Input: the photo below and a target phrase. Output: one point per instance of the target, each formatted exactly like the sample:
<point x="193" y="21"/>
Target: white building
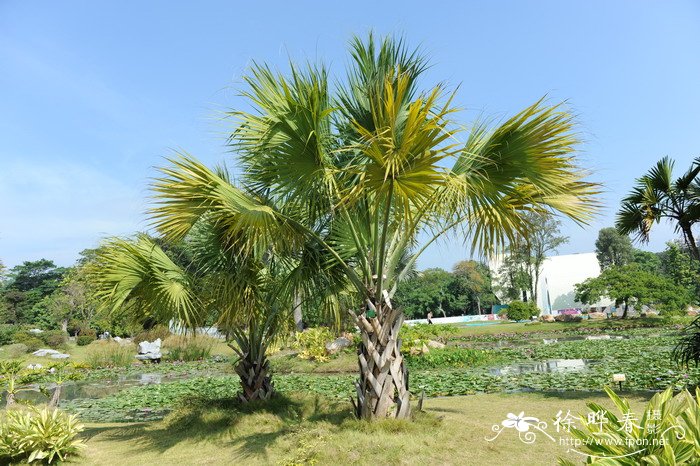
<point x="558" y="276"/>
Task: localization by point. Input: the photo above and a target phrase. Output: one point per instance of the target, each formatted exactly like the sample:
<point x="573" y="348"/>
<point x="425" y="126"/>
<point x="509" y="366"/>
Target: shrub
<point x="32" y="341"/>
<point x="568" y="318"/>
<point x="84" y="340"/>
<point x="38" y="435"/>
<point x="54" y="338"/>
<point x="518" y="310"/>
<point x="85" y="330"/>
<point x="159" y="331"/>
<point x="415" y="336"/>
<point x="311" y="343"/>
<point x="666" y="433"/>
<point x="7" y="333"/>
<point x="16" y="350"/>
<point x="189" y="348"/>
<point x="110" y="354"/>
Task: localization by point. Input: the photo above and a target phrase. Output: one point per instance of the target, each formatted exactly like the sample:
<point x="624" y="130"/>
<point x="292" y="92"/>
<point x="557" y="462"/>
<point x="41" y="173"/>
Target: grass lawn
<point x="300" y="430"/>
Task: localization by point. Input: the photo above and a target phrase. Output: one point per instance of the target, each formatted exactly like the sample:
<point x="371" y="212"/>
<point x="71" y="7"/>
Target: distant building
<point x="558" y="276"/>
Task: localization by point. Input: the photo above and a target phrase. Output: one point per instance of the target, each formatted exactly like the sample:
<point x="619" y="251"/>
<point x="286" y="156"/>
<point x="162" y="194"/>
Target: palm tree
<point x="248" y="296"/>
<point x="361" y="172"/>
<point x="658" y="196"/>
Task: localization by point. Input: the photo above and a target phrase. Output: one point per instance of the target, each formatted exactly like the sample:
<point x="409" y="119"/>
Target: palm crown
<point x="658" y="196"/>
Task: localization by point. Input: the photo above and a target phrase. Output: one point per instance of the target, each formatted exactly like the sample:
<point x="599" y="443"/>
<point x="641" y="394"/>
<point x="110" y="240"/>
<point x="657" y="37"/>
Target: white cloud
<point x="56" y="209"/>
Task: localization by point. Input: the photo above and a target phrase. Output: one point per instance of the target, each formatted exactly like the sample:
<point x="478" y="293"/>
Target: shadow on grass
<point x="216" y="421"/>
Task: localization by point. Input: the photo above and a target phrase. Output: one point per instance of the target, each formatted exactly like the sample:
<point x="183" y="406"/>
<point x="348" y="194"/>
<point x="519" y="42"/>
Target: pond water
<point x="84" y="389"/>
<point x="552" y="365"/>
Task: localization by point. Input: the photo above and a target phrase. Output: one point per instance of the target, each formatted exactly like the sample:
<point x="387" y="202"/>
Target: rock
<point x="53" y="354"/>
<point x="550" y="341"/>
<point x="693" y="312"/>
<point x="45" y="352"/>
<point x="149" y="351"/>
<point x="597" y="315"/>
<point x="598" y="337"/>
<point x="36" y="331"/>
<point x="337" y="345"/>
<point x="435" y="344"/>
<point x="34" y="367"/>
<point x="547" y="318"/>
<point x="425" y="349"/>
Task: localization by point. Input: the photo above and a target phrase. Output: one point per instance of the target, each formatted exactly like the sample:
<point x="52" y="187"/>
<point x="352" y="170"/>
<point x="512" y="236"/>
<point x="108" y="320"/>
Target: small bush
<point x="54" y="338"/>
<point x="518" y="310"/>
<point x="568" y="318"/>
<point x="110" y="354"/>
<point x="415" y="336"/>
<point x="85" y="330"/>
<point x="38" y="435"/>
<point x="84" y="340"/>
<point x="311" y="343"/>
<point x="16" y="350"/>
<point x="189" y="348"/>
<point x="159" y="331"/>
<point x="7" y="333"/>
<point x="32" y="341"/>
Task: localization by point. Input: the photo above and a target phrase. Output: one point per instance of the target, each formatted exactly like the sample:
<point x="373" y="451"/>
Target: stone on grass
<point x="53" y="354"/>
<point x="337" y="345"/>
<point x="547" y="318"/>
<point x="597" y="315"/>
<point x="435" y="344"/>
<point x="149" y="351"/>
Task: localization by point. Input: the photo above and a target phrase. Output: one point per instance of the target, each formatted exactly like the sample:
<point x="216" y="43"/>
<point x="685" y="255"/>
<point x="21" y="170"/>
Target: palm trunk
<point x="10" y="399"/>
<point x="56" y="397"/>
<point x="256" y="381"/>
<point x="298" y="315"/>
<point x="690" y="241"/>
<point x="382" y="390"/>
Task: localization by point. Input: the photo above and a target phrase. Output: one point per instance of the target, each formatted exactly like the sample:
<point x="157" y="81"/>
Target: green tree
<point x="649" y="261"/>
<point x="365" y="171"/>
<point x="658" y="196"/>
<point x="613" y="249"/>
<point x="629" y="284"/>
<point x="28" y="284"/>
<point x="472" y="286"/>
<point x="678" y="264"/>
<point x="521" y="269"/>
<point x="428" y="291"/>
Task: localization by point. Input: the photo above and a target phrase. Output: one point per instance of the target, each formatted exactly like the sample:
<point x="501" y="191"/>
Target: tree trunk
<point x="382" y="390"/>
<point x="10" y="399"/>
<point x="690" y="241"/>
<point x="256" y="381"/>
<point x="298" y="315"/>
<point x="624" y="313"/>
<point x="56" y="397"/>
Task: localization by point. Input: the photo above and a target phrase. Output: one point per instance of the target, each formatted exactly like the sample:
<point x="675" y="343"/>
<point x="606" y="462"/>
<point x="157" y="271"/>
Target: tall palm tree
<point x="362" y="171"/>
<point x="658" y="196"/>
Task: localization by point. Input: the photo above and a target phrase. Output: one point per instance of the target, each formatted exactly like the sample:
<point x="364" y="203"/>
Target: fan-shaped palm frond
<point x="658" y="196"/>
<point x="139" y="277"/>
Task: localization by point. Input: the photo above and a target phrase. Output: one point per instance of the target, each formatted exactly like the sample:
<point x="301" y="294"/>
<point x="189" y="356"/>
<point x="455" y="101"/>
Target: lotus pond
<point x="467" y="365"/>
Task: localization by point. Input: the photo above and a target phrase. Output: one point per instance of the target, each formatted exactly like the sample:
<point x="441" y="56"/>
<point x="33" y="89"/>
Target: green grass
<point x="305" y="429"/>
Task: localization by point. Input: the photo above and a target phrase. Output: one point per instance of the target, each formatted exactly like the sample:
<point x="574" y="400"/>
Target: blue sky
<point x="95" y="94"/>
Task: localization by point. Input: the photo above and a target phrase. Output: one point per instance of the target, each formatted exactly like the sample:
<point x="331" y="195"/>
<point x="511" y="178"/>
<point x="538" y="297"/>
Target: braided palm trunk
<point x="256" y="381"/>
<point x="382" y="390"/>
